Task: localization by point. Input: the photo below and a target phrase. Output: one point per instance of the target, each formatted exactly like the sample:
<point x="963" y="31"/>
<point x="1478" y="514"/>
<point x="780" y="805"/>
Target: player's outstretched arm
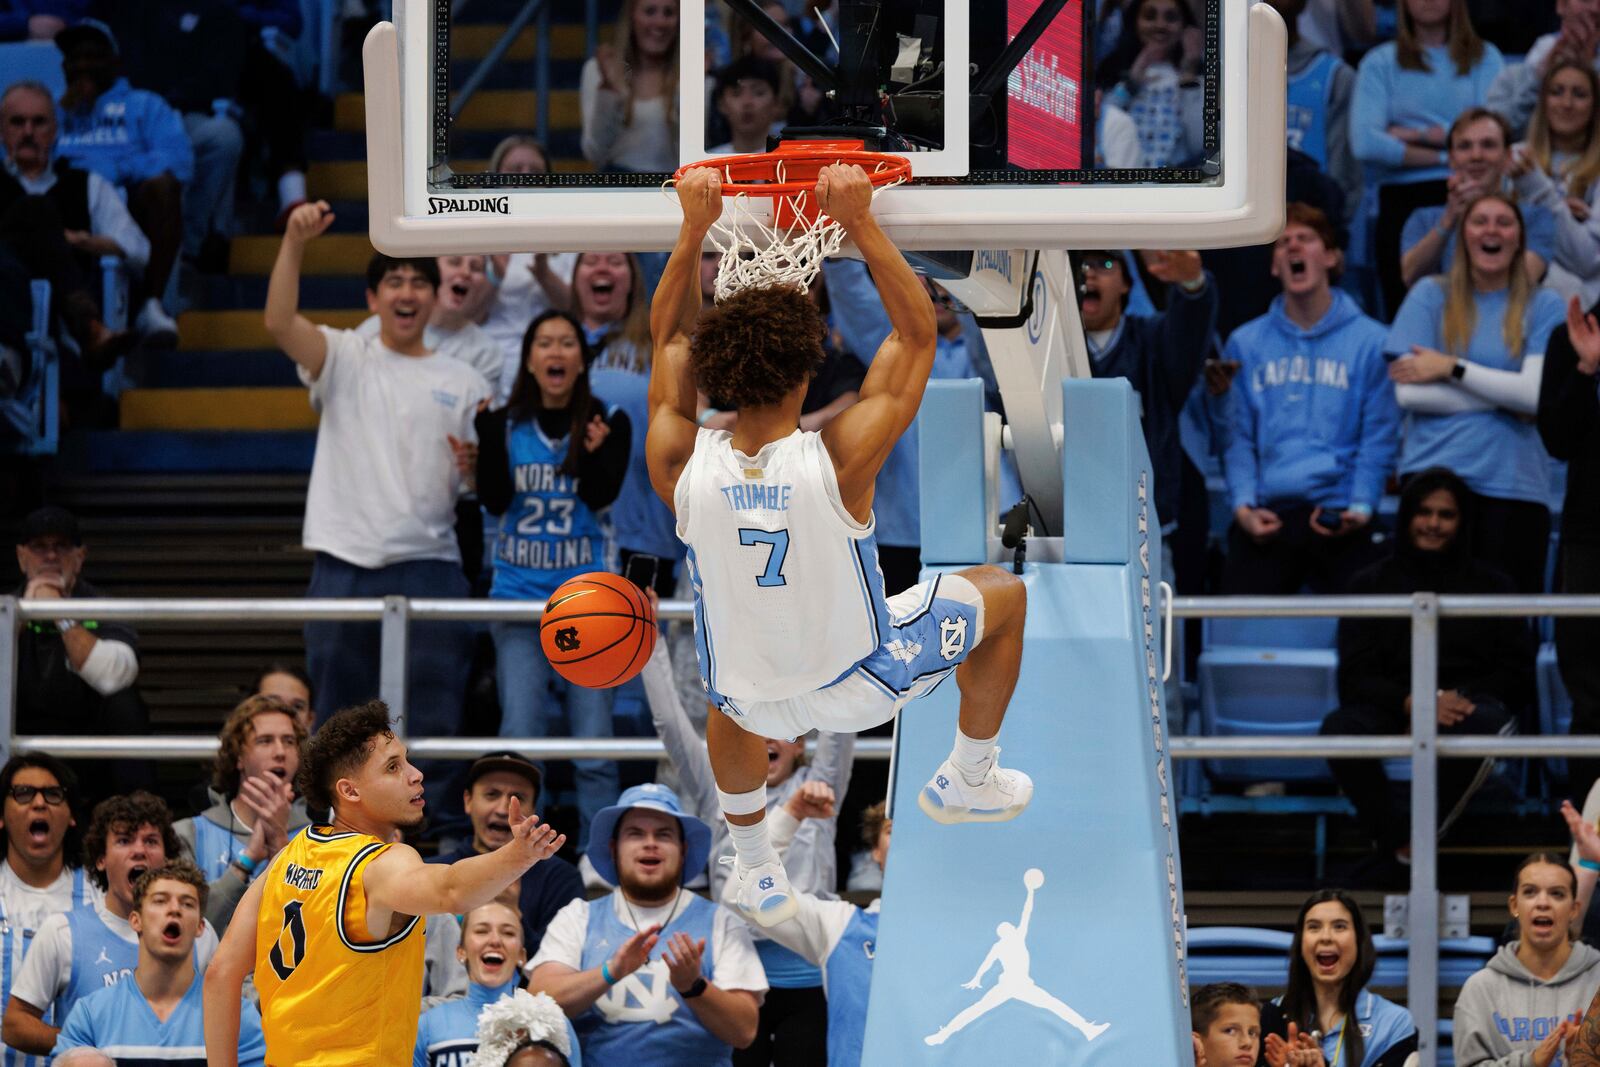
<point x="234" y="959"/>
<point x="398" y="882"/>
<point x="860" y="439"/>
<point x="673" y="311"/>
<point x="297" y="335"/>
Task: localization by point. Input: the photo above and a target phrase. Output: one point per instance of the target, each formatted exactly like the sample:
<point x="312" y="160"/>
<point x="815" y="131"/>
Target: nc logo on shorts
<point x="765" y="883"/>
<point x="944" y="783"/>
<point x="952" y="636"/>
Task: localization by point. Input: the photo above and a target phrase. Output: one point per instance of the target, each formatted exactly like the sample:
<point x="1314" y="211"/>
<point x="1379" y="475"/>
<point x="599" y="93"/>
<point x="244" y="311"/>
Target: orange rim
<point x="793" y="168"/>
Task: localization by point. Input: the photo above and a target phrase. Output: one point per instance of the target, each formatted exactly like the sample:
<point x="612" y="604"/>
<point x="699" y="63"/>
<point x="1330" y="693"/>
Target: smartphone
<point x="642" y="569"/>
<point x="1330" y="518"/>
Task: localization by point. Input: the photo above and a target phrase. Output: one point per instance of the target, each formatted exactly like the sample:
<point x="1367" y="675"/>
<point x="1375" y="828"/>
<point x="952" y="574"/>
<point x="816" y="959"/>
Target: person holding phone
<point x="1312" y="425"/>
<point x="549" y="464"/>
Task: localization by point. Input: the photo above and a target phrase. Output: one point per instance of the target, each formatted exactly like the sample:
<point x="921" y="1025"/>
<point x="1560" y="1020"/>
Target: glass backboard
<point x="1028" y="123"/>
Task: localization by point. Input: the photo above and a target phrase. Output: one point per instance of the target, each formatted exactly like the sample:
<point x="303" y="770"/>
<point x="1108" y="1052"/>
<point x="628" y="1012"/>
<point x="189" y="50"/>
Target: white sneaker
<point x="156" y="327"/>
<point x="1002" y="795"/>
<point x="764" y="894"/>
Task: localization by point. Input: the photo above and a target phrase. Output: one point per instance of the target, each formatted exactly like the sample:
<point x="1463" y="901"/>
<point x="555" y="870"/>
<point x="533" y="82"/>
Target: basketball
<point x="598" y="630"/>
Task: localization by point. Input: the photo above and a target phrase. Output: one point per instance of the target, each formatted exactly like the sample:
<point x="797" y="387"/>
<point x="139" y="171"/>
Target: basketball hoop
<point x="790" y="248"/>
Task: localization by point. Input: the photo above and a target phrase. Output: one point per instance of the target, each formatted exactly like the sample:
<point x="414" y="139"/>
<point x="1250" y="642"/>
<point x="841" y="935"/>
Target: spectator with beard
<point x="493" y="954"/>
<point x="652" y="944"/>
<point x="74" y="676"/>
<point x="158" y="1006"/>
<point x="1485" y="673"/>
<point x="93" y="946"/>
<point x="1480" y="164"/>
<point x="40" y="876"/>
<point x="492" y="783"/>
<point x="254" y="771"/>
<point x="136" y="141"/>
<point x="451" y="330"/>
<point x="59" y="220"/>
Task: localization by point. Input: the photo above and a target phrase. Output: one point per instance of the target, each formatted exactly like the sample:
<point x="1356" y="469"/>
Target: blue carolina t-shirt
<point x="119" y="1021"/>
<point x="1536" y="219"/>
<point x="1495" y="452"/>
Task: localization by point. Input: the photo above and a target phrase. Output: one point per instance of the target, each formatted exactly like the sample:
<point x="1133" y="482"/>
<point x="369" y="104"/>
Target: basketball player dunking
<point x="792" y="627"/>
<point x="333" y="930"/>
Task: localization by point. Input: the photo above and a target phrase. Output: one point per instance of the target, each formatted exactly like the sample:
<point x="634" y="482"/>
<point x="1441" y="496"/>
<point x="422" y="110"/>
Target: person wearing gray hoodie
<point x="1524" y="1006"/>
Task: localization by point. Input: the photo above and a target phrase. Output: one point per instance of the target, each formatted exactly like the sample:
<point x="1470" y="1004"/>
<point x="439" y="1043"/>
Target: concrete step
<point x="473" y="40"/>
<point x="235" y="368"/>
<point x="334" y="146"/>
<point x="348" y="179"/>
<point x="195" y="452"/>
<point x="246" y="408"/>
<point x="330" y="254"/>
<point x="244" y="328"/>
<point x="248" y="292"/>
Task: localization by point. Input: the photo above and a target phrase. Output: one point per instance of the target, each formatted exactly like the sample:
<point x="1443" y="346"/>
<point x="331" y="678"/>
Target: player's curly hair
<point x="177" y="871"/>
<point x="238" y="731"/>
<point x="757" y="346"/>
<point x="338" y="748"/>
<point x="125" y="814"/>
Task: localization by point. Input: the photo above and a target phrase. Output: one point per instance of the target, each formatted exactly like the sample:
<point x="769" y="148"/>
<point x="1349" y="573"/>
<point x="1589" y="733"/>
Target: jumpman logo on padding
<point x="1011" y="952"/>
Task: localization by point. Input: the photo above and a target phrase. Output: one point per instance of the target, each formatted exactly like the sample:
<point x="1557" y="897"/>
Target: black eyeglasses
<point x="24" y="794"/>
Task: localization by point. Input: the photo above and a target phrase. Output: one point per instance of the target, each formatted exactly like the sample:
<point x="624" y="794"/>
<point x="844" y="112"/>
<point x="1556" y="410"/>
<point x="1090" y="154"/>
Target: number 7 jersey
<point x="788" y="594"/>
<point x="332" y="996"/>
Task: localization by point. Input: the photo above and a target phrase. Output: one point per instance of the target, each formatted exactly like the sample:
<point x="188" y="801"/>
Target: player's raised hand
<point x="535" y="840"/>
<point x="683" y="955"/>
<point x="700" y="195"/>
<point x="308" y="221"/>
<point x="813" y="800"/>
<point x="635" y="951"/>
<point x="844" y="193"/>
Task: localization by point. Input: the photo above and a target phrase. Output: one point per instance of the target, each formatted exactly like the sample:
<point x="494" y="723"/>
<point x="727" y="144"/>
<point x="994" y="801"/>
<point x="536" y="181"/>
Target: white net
<point x="755" y="252"/>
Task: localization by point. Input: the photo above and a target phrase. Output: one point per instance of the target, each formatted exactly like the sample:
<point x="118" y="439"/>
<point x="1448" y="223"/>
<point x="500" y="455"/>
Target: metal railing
<point x="1423" y="746"/>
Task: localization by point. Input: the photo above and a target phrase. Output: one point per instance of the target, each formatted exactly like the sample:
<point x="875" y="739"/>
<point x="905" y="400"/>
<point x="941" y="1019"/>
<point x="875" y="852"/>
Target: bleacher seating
<point x="29" y="420"/>
<point x="1555" y="704"/>
<point x="38" y="61"/>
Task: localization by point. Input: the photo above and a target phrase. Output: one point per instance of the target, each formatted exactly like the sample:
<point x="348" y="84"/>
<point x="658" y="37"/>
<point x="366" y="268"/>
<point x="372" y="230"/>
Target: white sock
<point x="291" y="187"/>
<point x="972" y="757"/>
<point x="752" y="845"/>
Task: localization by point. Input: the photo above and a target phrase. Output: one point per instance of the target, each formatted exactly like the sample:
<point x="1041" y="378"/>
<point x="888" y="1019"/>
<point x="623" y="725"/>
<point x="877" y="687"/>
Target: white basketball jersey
<point x="788" y="595"/>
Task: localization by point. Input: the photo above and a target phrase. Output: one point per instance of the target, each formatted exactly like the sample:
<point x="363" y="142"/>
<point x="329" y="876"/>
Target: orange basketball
<point x="598" y="629"/>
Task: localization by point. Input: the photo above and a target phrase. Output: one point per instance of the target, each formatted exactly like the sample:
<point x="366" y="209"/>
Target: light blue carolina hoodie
<point x="1314" y="419"/>
<point x="126" y="136"/>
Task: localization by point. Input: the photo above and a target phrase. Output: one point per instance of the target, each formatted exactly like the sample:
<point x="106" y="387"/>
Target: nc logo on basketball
<point x="567" y="639"/>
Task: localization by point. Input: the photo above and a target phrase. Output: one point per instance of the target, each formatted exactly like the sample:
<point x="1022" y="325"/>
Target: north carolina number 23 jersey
<point x="331" y="996"/>
<point x="788" y="595"/>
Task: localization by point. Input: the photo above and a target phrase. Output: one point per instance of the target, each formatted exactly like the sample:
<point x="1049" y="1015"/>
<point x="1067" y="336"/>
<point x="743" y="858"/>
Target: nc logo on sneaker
<point x="765" y="883"/>
<point x="944" y="783"/>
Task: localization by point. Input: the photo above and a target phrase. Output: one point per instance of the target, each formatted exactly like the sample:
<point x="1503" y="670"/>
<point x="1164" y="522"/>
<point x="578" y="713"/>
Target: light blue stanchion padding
<point x="950" y="438"/>
<point x="1066" y="920"/>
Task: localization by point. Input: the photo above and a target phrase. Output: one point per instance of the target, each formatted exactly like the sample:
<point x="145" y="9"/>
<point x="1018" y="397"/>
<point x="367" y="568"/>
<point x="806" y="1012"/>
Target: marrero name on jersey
<point x="314" y="968"/>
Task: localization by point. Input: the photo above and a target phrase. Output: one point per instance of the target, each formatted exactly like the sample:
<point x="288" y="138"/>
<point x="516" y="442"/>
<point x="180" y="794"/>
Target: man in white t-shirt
<point x="463" y="290"/>
<point x="395" y="450"/>
<point x="37" y="794"/>
<point x="93" y="946"/>
<point x="651" y="973"/>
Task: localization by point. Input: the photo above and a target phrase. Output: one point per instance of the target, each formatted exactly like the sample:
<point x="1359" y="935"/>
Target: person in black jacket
<point x="1569" y="423"/>
<point x="549" y="464"/>
<point x="1485" y="673"/>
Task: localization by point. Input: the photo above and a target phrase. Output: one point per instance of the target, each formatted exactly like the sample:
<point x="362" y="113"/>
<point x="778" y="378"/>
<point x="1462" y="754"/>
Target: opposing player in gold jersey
<point x="333" y="930"/>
